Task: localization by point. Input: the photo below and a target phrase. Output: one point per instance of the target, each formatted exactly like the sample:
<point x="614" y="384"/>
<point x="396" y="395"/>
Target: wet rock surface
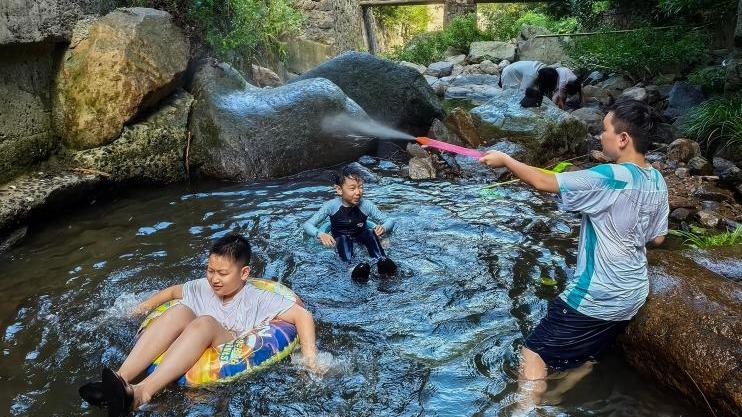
<point x="30" y="21"/>
<point x="122" y="63"/>
<point x="390" y="93"/>
<point x="547" y="130"/>
<point x="242" y="132"/>
<point x="688" y="334"/>
<point x="25" y="196"/>
<point x="150" y="151"/>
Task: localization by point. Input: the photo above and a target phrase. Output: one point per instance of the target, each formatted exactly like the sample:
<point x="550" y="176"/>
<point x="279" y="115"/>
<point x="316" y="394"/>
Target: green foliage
<point x="408" y="20"/>
<point x="505" y="22"/>
<point x="461" y="31"/>
<point x="502" y="22"/>
<point x="234" y="29"/>
<point x="248" y="28"/>
<point x="587" y="13"/>
<point x="640" y="54"/>
<point x="716" y="120"/>
<point x="430" y="47"/>
<point x="710" y="79"/>
<point x="685" y="7"/>
<point x="699" y="238"/>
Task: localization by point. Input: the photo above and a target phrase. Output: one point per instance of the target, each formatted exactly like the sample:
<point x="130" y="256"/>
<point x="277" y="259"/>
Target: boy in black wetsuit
<point x="349" y="215"/>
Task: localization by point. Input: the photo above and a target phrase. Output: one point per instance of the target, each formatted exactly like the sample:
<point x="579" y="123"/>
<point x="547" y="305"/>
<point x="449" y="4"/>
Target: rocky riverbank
<point x="118" y="100"/>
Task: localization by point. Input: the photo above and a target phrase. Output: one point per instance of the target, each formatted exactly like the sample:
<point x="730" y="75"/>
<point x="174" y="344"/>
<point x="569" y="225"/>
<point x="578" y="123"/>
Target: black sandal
<point x="117" y="393"/>
<point x="92" y="393"/>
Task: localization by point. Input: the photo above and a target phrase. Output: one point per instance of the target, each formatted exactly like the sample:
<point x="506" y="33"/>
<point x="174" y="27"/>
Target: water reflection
<point x="439" y="340"/>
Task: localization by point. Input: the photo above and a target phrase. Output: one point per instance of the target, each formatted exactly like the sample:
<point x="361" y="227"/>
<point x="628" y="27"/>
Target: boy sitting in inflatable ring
<point x="214" y="310"/>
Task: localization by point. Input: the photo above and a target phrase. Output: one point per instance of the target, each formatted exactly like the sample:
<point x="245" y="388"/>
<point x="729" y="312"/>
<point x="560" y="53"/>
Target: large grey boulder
<point x="547" y="50"/>
<point x="690" y="327"/>
<point x="36" y="21"/>
<point x="439" y="69"/>
<point x="121" y="64"/>
<point x="547" y="131"/>
<point x="242" y="132"/>
<point x="593" y="119"/>
<point x="494" y="51"/>
<point x="476" y="88"/>
<point x="682" y="98"/>
<point x="151" y="151"/>
<point x="390" y="93"/>
<point x="729" y="174"/>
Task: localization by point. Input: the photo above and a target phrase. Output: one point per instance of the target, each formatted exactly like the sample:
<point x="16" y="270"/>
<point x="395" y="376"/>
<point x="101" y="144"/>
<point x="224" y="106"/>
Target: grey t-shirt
<point x="623" y="207"/>
<point x="249" y="308"/>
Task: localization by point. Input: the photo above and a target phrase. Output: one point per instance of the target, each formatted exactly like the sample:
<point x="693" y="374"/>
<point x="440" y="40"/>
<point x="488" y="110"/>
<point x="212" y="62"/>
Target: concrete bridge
<point x="451" y="8"/>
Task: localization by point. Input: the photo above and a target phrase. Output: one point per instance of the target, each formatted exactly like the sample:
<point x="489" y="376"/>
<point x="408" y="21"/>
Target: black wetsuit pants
<point x="367" y="238"/>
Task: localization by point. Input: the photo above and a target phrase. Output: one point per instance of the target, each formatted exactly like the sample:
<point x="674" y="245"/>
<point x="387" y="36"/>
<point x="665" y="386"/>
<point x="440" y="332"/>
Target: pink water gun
<point x="449" y="148"/>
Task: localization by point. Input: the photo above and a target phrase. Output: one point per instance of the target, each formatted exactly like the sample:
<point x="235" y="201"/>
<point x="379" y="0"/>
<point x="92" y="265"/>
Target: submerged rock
<point x="421" y="168"/>
<point x="242" y="132"/>
<point x="124" y="62"/>
<point x="688" y="334"/>
<point x="393" y="94"/>
<point x="546" y="130"/>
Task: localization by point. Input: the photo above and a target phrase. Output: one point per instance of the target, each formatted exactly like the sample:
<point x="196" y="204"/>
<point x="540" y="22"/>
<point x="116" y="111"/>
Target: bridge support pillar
<point x="453" y="8"/>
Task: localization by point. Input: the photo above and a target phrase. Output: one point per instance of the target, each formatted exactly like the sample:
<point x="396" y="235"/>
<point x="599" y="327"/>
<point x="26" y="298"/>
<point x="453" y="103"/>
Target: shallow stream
<point x="438" y="340"/>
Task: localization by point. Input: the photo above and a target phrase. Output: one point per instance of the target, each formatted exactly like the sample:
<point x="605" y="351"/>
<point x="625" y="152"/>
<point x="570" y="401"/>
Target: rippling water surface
<point x="438" y="340"/>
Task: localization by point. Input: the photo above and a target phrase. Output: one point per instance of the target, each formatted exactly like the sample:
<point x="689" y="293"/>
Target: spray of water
<point x="345" y="125"/>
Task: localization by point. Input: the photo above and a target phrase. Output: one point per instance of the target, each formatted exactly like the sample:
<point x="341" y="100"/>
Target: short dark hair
<point x="547" y="81"/>
<point x="532" y="98"/>
<point x="636" y="118"/>
<point x="572" y="87"/>
<point x="348" y="171"/>
<point x="233" y="246"/>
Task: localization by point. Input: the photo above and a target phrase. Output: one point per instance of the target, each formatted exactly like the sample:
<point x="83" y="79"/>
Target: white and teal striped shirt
<point x="623" y="208"/>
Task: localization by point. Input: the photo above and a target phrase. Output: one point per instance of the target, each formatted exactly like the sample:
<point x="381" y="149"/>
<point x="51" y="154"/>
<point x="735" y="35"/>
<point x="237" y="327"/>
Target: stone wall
<point x="26" y="77"/>
<point x="332" y="26"/>
<point x="33" y="37"/>
<point x="335" y="23"/>
<point x="30" y="21"/>
<point x="453" y="8"/>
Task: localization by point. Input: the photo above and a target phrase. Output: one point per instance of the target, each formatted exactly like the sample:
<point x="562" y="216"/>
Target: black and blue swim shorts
<point x="566" y="338"/>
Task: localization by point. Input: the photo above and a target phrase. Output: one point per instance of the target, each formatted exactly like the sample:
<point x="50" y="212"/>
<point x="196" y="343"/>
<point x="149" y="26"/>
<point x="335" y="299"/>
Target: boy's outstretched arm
<point x="170" y="293"/>
<point x="302" y="319"/>
<point x="533" y="176"/>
